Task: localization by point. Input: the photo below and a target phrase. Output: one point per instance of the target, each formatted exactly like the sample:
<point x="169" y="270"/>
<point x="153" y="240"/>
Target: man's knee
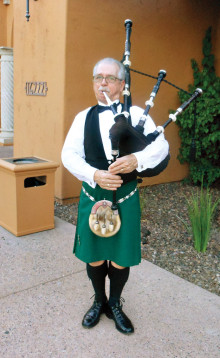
<point x="117" y="266"/>
<point x="96" y="263"/>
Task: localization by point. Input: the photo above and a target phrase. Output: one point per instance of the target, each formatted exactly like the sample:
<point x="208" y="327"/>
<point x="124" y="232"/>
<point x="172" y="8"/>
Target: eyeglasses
<point x="108" y="79"/>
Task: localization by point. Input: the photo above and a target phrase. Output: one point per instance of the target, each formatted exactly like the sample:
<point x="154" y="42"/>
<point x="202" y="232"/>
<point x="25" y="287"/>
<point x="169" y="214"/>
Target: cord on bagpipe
<point x="154" y="77"/>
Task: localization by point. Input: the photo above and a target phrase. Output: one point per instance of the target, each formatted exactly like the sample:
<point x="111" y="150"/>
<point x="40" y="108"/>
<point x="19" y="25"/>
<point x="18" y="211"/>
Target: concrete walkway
<point x="45" y="292"/>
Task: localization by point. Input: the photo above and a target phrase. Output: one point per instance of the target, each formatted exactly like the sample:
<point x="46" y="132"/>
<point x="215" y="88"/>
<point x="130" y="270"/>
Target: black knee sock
<point x="118" y="279"/>
<point x="97" y="275"/>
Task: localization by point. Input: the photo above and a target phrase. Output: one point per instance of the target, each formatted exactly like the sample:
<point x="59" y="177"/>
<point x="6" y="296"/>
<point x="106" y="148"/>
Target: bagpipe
<point x="125" y="139"/>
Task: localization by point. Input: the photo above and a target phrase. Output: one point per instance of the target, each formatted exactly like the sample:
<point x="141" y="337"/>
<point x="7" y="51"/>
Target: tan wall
<point x="6" y="24"/>
<point x="3" y="24"/>
<point x="62" y="42"/>
<point x="39" y="55"/>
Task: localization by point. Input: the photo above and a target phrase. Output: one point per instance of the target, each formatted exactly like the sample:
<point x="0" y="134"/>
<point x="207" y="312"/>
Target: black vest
<point x="93" y="146"/>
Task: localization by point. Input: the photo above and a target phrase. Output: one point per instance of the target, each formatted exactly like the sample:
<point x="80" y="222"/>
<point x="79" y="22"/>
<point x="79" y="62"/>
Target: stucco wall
<point x="6" y="24"/>
<point x="63" y="41"/>
<point x="3" y="24"/>
<point x="39" y="55"/>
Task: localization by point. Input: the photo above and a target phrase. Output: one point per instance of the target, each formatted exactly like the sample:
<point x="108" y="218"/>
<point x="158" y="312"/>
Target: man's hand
<point x="107" y="180"/>
<point x="125" y="164"/>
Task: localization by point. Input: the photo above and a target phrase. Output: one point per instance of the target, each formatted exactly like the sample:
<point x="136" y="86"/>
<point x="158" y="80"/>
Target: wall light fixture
<point x="27" y="10"/>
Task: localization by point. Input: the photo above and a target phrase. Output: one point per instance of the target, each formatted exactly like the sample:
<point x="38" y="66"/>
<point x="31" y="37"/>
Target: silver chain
<point x="118" y="202"/>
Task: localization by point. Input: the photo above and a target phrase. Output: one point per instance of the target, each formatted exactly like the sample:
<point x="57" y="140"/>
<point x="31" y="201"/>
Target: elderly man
<point x="87" y="155"/>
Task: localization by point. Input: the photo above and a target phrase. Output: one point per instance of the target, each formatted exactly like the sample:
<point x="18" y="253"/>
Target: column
<point x="7" y="96"/>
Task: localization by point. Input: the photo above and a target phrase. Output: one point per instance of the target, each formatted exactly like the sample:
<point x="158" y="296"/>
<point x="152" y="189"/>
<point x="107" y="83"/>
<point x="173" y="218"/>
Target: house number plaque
<point x="36" y="88"/>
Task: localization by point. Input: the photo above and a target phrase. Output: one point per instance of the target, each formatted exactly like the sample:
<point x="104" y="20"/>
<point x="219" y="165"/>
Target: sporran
<point x="103" y="221"/>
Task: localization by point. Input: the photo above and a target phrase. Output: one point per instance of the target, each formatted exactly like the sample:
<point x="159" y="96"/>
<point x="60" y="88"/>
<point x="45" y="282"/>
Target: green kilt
<point x="124" y="248"/>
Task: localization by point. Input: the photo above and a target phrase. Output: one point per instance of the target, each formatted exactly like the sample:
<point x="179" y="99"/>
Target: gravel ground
<point x="165" y="239"/>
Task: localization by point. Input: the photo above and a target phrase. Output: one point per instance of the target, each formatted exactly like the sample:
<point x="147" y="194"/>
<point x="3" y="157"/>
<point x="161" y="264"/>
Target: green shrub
<point x="207" y="128"/>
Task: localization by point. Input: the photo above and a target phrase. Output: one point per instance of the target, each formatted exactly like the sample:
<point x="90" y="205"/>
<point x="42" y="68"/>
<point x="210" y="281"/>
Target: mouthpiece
<point x="107" y="98"/>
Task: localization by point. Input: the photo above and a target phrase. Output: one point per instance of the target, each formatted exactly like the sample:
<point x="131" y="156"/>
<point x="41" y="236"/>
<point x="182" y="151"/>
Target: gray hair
<point x="121" y="72"/>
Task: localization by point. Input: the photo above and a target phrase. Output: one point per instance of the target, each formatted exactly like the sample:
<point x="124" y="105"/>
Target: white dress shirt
<point x="73" y="155"/>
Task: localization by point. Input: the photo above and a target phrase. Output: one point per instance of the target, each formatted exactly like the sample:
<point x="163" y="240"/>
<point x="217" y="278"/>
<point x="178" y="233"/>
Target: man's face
<point x="113" y="90"/>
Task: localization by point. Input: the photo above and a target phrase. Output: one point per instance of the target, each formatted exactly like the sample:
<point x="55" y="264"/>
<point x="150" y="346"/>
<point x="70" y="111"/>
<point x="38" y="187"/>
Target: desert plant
<point x="201" y="209"/>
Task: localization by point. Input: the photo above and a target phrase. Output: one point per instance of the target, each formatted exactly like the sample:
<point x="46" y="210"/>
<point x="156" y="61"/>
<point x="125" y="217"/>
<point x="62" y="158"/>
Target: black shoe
<point x="92" y="316"/>
<point x="122" y="322"/>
